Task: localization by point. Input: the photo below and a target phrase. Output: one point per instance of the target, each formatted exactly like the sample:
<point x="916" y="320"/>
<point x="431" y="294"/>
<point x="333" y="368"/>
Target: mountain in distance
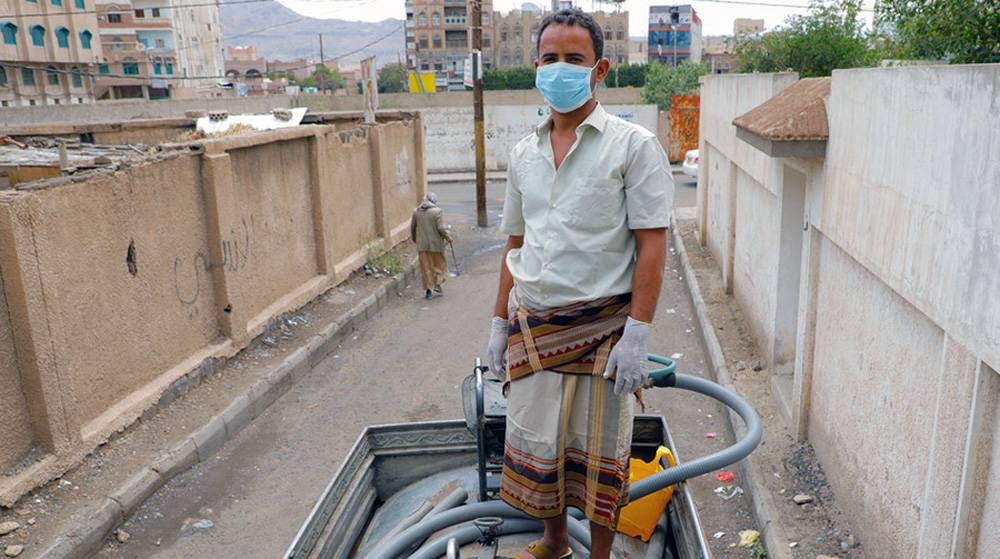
<point x="263" y="25"/>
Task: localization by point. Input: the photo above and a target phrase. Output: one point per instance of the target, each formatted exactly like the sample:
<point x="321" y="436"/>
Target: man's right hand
<point x="496" y="350"/>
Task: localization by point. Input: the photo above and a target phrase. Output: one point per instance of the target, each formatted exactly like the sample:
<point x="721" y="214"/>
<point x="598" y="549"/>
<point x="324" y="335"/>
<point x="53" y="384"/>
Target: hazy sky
<point x="717" y="18"/>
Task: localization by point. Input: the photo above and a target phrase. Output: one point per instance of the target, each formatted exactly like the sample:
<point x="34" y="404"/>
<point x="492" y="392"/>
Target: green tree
<point x="392" y="78"/>
<point x="663" y="82"/>
<point x="627" y="75"/>
<point x="960" y="31"/>
<point x="829" y="37"/>
<point x="325" y="78"/>
<point x="515" y="77"/>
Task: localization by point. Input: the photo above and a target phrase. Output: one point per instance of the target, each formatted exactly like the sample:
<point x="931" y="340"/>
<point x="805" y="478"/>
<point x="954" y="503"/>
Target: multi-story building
<point x="516" y="36"/>
<point x="48" y="52"/>
<point x="149" y="49"/>
<point x="439" y="38"/>
<point x="674" y="34"/>
<point x="747" y="26"/>
<point x="718" y="54"/>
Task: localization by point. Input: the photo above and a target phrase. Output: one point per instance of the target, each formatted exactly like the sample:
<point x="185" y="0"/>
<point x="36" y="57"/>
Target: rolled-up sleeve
<point x="649" y="186"/>
<point x="512" y="222"/>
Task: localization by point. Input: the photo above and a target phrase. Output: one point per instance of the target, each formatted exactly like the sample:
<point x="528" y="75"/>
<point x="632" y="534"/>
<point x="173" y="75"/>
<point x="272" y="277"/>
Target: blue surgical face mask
<point x="565" y="86"/>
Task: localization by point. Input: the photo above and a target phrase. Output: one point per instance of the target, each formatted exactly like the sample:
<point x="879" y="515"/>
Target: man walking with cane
<point x="427" y="229"/>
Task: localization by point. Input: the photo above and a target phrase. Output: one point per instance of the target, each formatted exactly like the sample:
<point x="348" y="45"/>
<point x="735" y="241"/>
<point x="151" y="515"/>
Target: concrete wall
<point x="450" y="137"/>
<point x="896" y="293"/>
<point x="117" y="284"/>
<point x="117" y="111"/>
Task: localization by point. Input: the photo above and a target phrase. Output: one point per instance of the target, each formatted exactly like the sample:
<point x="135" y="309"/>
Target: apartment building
<point x="516" y="36"/>
<point x="674" y="34"/>
<point x="439" y="38"/>
<point x="149" y="50"/>
<point x="48" y="52"/>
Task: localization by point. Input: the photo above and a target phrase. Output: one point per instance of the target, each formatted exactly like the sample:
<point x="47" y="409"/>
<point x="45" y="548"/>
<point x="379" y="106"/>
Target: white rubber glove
<point x="629" y="357"/>
<point x="496" y="350"/>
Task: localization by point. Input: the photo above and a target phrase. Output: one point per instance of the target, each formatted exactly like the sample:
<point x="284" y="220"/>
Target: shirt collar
<point x="597" y="119"/>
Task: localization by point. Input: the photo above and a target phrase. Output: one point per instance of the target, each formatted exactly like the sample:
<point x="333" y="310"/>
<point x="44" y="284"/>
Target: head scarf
<point x="429" y="201"/>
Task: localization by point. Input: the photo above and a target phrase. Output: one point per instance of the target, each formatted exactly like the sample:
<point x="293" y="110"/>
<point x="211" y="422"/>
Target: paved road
<point x="404" y="365"/>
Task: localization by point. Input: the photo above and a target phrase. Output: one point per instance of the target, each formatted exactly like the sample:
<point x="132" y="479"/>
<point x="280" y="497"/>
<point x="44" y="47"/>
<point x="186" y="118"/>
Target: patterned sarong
<point x="568" y="436"/>
<point x="575" y="339"/>
<point x="567" y="445"/>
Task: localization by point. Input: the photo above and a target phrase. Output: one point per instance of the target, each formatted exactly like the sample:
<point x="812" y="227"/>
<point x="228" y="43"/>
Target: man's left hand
<point x="629" y="357"/>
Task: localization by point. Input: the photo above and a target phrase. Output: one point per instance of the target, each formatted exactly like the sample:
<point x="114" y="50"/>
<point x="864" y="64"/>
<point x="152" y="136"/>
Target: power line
<point x="117" y="11"/>
<point x="765" y="4"/>
<point x="144" y="78"/>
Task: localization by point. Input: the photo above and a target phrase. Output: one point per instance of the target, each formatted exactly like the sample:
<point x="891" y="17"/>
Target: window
<point x="38" y="36"/>
<point x="52" y="75"/>
<point x="486" y="18"/>
<point x="423" y="42"/>
<point x="435" y="19"/>
<point x="3" y="77"/>
<point x="130" y="68"/>
<point x="439" y="67"/>
<point x="80" y="4"/>
<point x="114" y="18"/>
<point x="140" y="13"/>
<point x="76" y="76"/>
<point x="156" y="12"/>
<point x="425" y="66"/>
<point x="62" y="37"/>
<point x="57" y="2"/>
<point x="85" y="38"/>
<point x="437" y="41"/>
<point x="486" y="42"/>
<point x="160" y="44"/>
<point x="103" y="69"/>
<point x="503" y="35"/>
<point x="607" y="35"/>
<point x="422" y="18"/>
<point x="170" y="68"/>
<point x="157" y="68"/>
<point x="27" y="76"/>
<point x="621" y="35"/>
<point x="9" y="33"/>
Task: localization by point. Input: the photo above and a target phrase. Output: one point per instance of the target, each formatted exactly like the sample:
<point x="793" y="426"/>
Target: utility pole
<point x="322" y="65"/>
<point x="477" y="109"/>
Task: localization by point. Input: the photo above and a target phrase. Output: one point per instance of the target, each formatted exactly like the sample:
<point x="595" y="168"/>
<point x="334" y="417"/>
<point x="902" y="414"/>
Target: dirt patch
<point x="787" y="468"/>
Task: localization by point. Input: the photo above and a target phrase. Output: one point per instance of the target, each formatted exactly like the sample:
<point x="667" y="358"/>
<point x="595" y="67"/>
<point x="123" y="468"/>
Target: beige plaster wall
<point x="117" y="284"/>
<point x="271" y="248"/>
<point x="349" y="186"/>
<point x="113" y="331"/>
<point x="16" y="436"/>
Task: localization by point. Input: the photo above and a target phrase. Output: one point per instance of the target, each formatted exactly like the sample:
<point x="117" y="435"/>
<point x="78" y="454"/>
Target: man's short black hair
<point x="574" y="16"/>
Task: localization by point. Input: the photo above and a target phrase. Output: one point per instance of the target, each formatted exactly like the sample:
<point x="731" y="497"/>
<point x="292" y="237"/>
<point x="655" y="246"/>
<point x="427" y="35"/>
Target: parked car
<point x="690" y="165"/>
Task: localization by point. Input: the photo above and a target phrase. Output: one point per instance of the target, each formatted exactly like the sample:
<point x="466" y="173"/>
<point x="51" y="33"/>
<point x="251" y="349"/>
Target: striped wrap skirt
<point x="567" y="444"/>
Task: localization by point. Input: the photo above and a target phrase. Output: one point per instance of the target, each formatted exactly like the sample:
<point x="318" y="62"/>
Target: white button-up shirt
<point x="577" y="221"/>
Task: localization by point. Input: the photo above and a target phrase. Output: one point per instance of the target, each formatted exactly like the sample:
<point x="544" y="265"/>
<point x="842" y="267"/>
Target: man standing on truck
<point x="586" y="213"/>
